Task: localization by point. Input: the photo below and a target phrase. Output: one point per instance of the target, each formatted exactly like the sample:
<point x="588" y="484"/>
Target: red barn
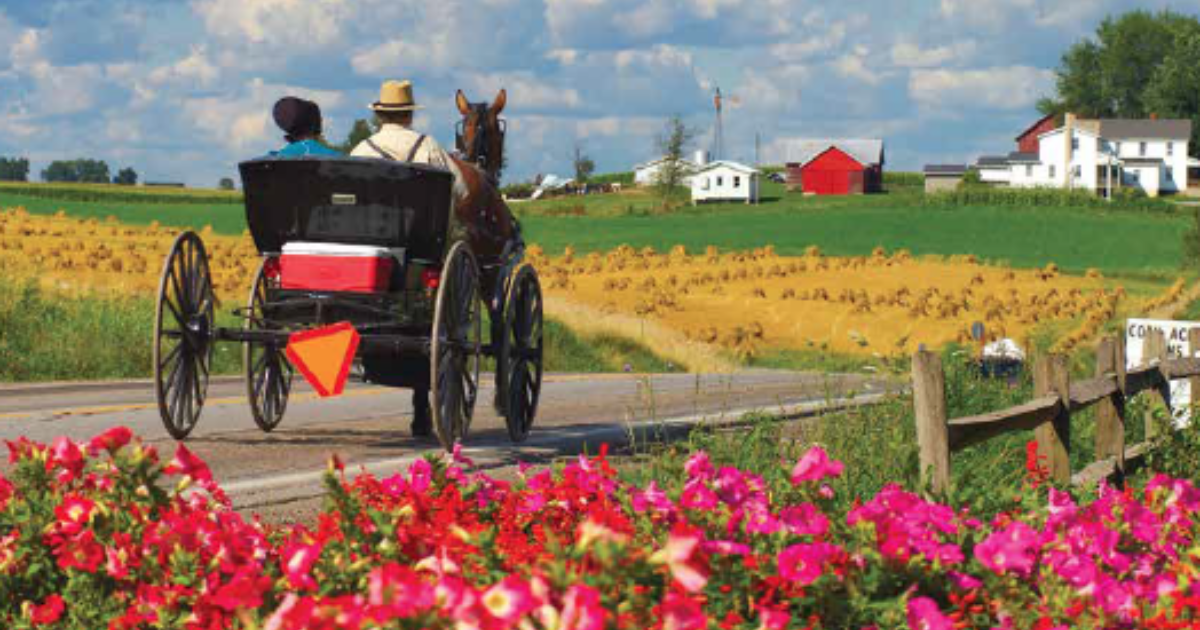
<point x="837" y="167"/>
<point x="1027" y="142"/>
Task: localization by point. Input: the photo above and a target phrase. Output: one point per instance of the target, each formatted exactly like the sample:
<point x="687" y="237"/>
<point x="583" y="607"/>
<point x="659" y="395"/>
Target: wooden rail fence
<point x="1049" y="413"/>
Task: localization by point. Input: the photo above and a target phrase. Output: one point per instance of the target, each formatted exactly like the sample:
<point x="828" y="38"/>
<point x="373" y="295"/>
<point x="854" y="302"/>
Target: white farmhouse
<point x="647" y="174"/>
<point x="725" y="181"/>
<point x="1104" y="155"/>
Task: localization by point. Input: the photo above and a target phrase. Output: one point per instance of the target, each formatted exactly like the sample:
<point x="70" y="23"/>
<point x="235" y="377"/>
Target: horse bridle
<point x="478" y="151"/>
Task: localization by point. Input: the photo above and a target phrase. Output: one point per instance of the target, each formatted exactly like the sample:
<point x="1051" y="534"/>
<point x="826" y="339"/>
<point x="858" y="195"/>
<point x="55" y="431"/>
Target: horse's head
<point x="481" y="132"/>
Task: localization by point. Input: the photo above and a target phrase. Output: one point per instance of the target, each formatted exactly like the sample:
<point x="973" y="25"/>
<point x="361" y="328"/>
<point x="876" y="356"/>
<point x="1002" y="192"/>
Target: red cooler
<point x="333" y="267"/>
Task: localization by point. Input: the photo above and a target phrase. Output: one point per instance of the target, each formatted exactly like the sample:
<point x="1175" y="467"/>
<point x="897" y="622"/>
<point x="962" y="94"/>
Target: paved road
<point x="278" y="474"/>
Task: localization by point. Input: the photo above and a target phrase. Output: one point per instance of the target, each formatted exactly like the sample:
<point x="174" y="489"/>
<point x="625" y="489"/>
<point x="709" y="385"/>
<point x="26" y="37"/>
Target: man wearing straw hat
<point x="396" y="140"/>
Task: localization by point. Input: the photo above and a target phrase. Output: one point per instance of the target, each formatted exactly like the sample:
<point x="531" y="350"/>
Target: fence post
<point x="929" y="404"/>
<point x="1110" y="412"/>
<point x="1193" y="349"/>
<point x="1050" y="376"/>
<point x="1154" y="348"/>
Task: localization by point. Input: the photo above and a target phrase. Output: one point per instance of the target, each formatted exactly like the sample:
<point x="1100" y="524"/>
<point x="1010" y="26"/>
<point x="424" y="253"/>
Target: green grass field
<point x="1114" y="241"/>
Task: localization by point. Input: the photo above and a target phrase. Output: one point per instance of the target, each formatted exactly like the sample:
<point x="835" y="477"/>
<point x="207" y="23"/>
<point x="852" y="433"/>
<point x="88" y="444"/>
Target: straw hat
<point x="395" y="96"/>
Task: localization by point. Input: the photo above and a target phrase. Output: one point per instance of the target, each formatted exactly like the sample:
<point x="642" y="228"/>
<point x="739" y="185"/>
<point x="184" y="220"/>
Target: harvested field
<point x="880" y="304"/>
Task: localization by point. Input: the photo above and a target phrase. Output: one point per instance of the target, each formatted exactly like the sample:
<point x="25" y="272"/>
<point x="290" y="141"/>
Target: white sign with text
<point x="1176" y="334"/>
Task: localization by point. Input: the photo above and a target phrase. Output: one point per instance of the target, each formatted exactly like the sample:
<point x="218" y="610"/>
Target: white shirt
<point x="397" y="141"/>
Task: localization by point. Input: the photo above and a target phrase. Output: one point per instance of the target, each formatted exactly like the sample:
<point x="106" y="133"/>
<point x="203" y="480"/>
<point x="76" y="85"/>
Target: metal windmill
<point x="719" y="101"/>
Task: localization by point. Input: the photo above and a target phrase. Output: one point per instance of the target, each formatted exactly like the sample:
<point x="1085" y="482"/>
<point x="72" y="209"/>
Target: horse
<point x="492" y="231"/>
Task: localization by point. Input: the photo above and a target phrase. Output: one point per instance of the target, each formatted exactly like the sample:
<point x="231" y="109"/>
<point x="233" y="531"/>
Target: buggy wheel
<point x="183" y="341"/>
<point x="522" y="362"/>
<point x="456" y="347"/>
<point x="268" y="372"/>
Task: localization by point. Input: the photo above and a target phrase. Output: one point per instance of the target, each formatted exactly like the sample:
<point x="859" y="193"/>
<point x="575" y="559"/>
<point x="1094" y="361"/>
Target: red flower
<point x="48" y="611"/>
<point x="186" y="463"/>
<point x="6" y="492"/>
<point x="111" y="440"/>
<point x="80" y="552"/>
<point x="73" y="514"/>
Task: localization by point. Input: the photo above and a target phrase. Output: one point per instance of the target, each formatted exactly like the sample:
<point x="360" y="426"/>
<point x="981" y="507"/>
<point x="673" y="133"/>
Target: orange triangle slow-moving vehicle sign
<point x="324" y="355"/>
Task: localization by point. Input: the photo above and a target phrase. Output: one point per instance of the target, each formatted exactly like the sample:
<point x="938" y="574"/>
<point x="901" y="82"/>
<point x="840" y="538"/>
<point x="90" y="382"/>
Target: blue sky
<point x="181" y="90"/>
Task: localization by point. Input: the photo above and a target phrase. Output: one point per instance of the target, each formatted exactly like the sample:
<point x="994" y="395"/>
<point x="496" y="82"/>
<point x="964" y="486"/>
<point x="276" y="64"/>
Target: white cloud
<point x="276" y="23"/>
<point x="1013" y="87"/>
<point x="194" y="69"/>
<point x="908" y="54"/>
<point x="858" y="65"/>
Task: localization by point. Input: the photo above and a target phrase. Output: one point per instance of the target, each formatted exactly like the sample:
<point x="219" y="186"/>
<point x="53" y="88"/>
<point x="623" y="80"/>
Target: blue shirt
<point x="304" y="147"/>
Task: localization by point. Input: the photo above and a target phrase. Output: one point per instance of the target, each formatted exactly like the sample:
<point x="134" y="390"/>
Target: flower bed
<point x="104" y="535"/>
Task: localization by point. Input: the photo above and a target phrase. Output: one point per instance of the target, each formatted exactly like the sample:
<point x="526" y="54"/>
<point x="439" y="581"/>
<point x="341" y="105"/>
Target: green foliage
<point x="109" y="193"/>
<point x="49" y="337"/>
<point x="672" y="143"/>
<point x="584" y="166"/>
<point x="1138" y="64"/>
<point x="894" y="180"/>
<point x="523" y="190"/>
<point x="568" y="351"/>
<point x="126" y="177"/>
<point x="971" y="178"/>
<point x="226" y="183"/>
<point x="14" y="169"/>
<point x="1191" y="243"/>
<point x="624" y="178"/>
<point x="80" y="170"/>
<point x="361" y="130"/>
<point x="1045" y="197"/>
<point x="1177" y="451"/>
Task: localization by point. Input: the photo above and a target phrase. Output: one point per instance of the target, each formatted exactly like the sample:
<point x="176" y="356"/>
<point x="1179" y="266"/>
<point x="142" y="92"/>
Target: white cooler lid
<point x="308" y="248"/>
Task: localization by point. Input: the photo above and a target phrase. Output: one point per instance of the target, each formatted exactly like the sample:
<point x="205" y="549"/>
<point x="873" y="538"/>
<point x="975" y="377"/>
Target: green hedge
<point x="612" y="178"/>
<point x="118" y="194"/>
<point x="1126" y="199"/>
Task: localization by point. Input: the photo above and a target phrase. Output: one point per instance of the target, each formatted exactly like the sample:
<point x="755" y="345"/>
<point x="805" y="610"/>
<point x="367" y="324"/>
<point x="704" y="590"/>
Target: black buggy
<point x="423" y="329"/>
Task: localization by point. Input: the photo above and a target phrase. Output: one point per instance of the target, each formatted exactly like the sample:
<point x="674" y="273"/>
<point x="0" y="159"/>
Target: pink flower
<point x="731" y="486"/>
<point x="815" y="465"/>
<point x="111" y="440"/>
<point x="924" y="614"/>
<point x="677" y="555"/>
<point x="68" y="455"/>
<point x="48" y="612"/>
<point x="7" y="490"/>
<point x="295" y="613"/>
<point x="773" y="619"/>
<point x="698" y="496"/>
<point x="457" y="456"/>
<point x="699" y="466"/>
<point x="509" y="600"/>
<point x="582" y="609"/>
<point x="805" y="519"/>
<point x="681" y="612"/>
<point x="725" y="548"/>
<point x="652" y="498"/>
<point x="805" y="562"/>
<point x="420" y="476"/>
<point x="298" y="560"/>
<point x="1010" y="549"/>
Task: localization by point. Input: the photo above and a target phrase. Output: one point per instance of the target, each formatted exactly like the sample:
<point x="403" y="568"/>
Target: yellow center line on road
<point x="230" y="400"/>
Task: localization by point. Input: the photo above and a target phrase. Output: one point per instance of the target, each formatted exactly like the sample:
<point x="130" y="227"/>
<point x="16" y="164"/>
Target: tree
<point x="14" y="169"/>
<point x="1138" y="64"/>
<point x="584" y="166"/>
<point x="359" y="132"/>
<point x="81" y="170"/>
<point x="226" y="183"/>
<point x="673" y="143"/>
<point x="126" y="177"/>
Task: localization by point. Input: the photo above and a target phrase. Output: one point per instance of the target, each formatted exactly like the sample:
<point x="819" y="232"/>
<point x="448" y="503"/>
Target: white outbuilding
<point x="647" y="174"/>
<point x="725" y="181"/>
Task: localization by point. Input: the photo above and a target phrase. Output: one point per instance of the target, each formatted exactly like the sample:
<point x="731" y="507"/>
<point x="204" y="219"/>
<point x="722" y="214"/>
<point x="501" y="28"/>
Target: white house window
<point x="1077" y="171"/>
<point x="1132" y="176"/>
<point x="1170" y="149"/>
<point x="1074" y="144"/>
<point x="719" y="181"/>
<point x="704" y="184"/>
<point x="1051" y="171"/>
<point x="737" y="181"/>
<point x="1028" y="170"/>
<point x="1117" y="148"/>
<point x="1142" y="149"/>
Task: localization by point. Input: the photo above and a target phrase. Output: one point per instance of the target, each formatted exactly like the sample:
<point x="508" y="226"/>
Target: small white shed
<point x="725" y="181"/>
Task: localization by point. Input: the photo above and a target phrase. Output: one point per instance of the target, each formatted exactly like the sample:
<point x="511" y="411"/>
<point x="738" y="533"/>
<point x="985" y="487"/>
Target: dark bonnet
<point x="298" y="117"/>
